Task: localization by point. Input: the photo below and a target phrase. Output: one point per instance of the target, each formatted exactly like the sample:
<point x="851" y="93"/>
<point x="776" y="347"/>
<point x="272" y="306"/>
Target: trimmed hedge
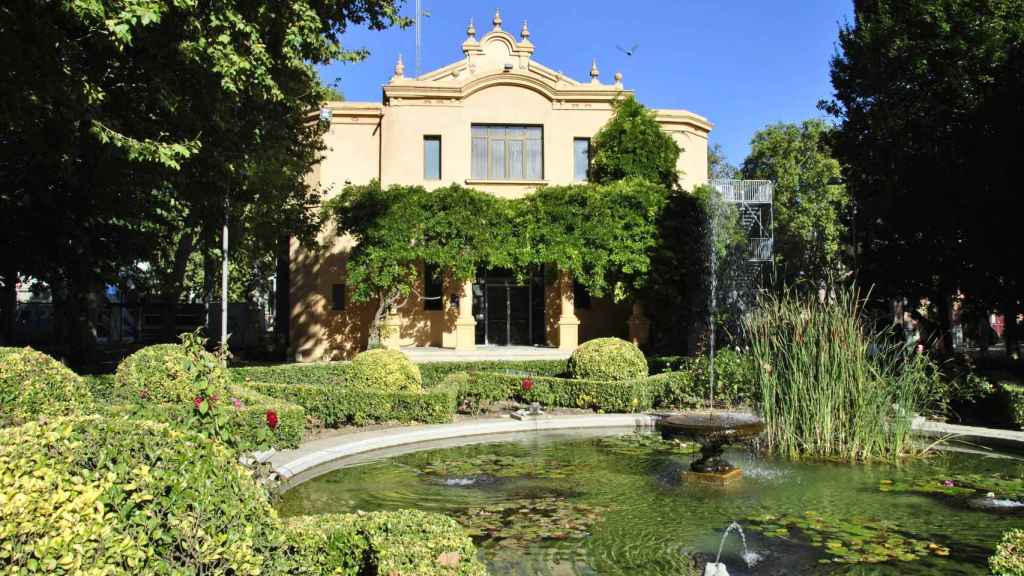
<point x="172" y="372"/>
<point x="1015" y="394"/>
<point x="1009" y="557"/>
<point x="33" y="384"/>
<point x="432" y="373"/>
<point x="401" y="543"/>
<point x="477" y="389"/>
<point x="243" y="427"/>
<point x="608" y="359"/>
<point x="339" y="405"/>
<point x="94" y="495"/>
<point x="318" y="373"/>
<point x="384" y="371"/>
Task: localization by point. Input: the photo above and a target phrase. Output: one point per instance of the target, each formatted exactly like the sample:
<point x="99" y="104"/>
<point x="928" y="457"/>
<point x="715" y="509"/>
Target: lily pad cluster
<point x="855" y="540"/>
<point x="959" y="486"/>
<point x="498" y="466"/>
<point x="637" y="444"/>
<point x="521" y="522"/>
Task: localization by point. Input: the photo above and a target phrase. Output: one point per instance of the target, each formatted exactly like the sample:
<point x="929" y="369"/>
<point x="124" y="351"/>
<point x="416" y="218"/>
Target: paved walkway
<point x="422" y="355"/>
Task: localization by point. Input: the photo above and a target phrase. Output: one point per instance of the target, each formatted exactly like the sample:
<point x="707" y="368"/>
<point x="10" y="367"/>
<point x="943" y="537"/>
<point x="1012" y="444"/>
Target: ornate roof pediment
<point x="497" y="59"/>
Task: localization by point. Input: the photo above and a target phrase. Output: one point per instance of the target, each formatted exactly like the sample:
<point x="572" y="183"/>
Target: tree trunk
<point x="282" y="301"/>
<point x="945" y="322"/>
<point x="1011" y="331"/>
<point x="172" y="291"/>
<point x="8" y="306"/>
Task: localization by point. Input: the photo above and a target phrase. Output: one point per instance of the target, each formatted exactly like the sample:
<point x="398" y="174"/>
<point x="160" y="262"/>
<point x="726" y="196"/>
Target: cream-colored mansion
<point x="497" y="121"/>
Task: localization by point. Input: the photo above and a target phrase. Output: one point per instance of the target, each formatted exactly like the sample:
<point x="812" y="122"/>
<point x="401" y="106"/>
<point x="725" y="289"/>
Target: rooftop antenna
<point x="420" y="14"/>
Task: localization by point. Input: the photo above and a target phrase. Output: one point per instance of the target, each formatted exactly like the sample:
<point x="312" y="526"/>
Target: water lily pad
<point x="855" y="540"/>
<point x="519" y="523"/>
<point x="637" y="444"/>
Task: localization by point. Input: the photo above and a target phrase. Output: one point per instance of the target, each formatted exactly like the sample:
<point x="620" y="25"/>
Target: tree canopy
<point x="810" y="202"/>
<point x="929" y="99"/>
<point x="633" y="145"/>
<point x="130" y="129"/>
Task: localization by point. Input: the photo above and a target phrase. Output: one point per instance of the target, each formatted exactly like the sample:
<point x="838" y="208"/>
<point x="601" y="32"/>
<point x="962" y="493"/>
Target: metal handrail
<point x="744" y="191"/>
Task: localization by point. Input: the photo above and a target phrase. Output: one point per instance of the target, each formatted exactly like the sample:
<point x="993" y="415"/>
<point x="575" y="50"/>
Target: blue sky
<point x="742" y="64"/>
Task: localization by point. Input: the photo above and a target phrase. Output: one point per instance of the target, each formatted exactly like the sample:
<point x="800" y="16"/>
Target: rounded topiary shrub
<point x="94" y="495"/>
<point x="33" y="384"/>
<point x="384" y="371"/>
<point x="1009" y="557"/>
<point x="607" y="359"/>
<point x="172" y="373"/>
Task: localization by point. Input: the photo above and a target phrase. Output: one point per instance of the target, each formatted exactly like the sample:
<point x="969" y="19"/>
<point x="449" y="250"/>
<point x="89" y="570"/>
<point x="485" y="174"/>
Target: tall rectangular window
<point x="433" y="288"/>
<point x="507" y="152"/>
<point x="431" y="157"/>
<point x="581" y="159"/>
<point x="337" y="297"/>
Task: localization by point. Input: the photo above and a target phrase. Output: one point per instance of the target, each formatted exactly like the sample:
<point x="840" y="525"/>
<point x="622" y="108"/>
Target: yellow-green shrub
<point x="607" y="359"/>
<point x="172" y="372"/>
<point x="384" y="371"/>
<point x="92" y="495"/>
<point x="33" y="384"/>
<point x="1009" y="557"/>
<point x="400" y="543"/>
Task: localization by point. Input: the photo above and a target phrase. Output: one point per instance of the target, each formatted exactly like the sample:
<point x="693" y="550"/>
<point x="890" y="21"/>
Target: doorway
<point x="507" y="312"/>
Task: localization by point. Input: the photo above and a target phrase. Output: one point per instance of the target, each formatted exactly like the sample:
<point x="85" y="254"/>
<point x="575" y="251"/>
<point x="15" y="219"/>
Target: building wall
<point x="497" y="83"/>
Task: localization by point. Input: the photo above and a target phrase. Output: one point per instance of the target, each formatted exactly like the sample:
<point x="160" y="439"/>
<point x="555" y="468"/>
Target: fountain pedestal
<point x="713" y="430"/>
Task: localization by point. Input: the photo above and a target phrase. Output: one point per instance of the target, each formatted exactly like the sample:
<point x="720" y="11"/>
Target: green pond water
<point x="580" y="503"/>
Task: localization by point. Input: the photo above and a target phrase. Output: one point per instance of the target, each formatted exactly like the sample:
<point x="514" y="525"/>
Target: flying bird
<point x="628" y="52"/>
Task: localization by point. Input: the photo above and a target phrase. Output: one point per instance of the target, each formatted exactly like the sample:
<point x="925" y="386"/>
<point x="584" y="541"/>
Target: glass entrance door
<point x="508" y="313"/>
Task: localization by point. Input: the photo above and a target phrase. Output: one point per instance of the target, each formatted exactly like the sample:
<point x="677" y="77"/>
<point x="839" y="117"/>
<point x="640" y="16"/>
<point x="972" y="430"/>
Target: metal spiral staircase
<point x="753" y="200"/>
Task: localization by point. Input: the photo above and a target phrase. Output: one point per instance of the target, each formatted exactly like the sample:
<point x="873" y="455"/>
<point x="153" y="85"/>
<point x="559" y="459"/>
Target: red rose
<point x="272" y="419"/>
<point x="527" y="384"/>
<point x="198" y="401"/>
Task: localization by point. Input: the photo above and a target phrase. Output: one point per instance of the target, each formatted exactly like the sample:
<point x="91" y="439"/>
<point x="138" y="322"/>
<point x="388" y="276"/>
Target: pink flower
<point x="237" y="403"/>
<point x="272" y="419"/>
<point x="198" y="401"/>
<point x="527" y="384"/>
<point x="948" y="483"/>
<point x="920" y="348"/>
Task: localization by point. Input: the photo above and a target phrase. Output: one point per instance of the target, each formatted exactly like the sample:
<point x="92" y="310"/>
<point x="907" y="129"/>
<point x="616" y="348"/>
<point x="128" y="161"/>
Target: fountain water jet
<point x="716" y="568"/>
<point x="713" y="431"/>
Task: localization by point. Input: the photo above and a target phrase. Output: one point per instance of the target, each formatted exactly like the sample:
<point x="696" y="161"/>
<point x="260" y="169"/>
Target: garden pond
<point x="614" y="503"/>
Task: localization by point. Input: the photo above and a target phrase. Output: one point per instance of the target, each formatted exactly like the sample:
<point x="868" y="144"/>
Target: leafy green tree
<point x="719" y="166"/>
<point x="129" y="125"/>
<point x="809" y="205"/>
<point x="929" y="136"/>
<point x="633" y="145"/>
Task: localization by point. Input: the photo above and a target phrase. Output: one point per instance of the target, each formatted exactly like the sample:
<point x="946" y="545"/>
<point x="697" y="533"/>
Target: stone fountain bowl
<point x="712" y="427"/>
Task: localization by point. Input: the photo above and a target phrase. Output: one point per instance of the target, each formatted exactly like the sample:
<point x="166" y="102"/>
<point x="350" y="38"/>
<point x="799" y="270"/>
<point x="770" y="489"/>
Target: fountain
<point x="713" y="430"/>
<point x="716" y="568"/>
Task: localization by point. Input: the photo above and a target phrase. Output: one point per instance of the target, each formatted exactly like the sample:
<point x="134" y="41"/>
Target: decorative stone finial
<point x="497" y="19"/>
<point x="471" y="30"/>
<point x="525" y="32"/>
<point x="618" y="79"/>
<point x="399" y="68"/>
<point x="594" y="72"/>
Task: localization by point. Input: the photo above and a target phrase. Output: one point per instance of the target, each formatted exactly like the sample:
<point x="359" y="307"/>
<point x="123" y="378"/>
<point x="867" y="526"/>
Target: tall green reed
<point x="830" y="385"/>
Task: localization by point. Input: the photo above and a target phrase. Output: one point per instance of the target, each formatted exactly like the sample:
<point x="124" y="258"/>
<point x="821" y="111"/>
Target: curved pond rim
<point x="325" y="455"/>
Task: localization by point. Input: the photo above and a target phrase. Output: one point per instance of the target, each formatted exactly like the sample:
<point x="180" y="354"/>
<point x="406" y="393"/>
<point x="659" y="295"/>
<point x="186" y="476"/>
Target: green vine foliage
<point x="633" y="145"/>
<point x="601" y="234"/>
